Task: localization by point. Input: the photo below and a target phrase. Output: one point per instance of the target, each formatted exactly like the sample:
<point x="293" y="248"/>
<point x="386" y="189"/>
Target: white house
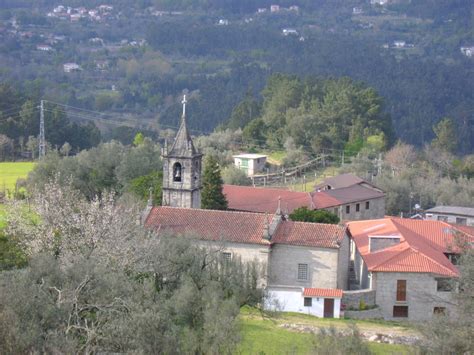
<point x="250" y="163"/>
<point x="289" y="31"/>
<point x="467" y="51"/>
<point x="319" y="302"/>
<point x="70" y="67"/>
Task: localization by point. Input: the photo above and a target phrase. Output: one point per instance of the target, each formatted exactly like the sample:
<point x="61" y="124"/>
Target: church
<point x="306" y="264"/>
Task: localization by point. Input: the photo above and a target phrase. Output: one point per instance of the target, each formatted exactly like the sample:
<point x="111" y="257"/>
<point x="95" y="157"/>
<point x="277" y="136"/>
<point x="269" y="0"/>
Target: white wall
<point x="283" y="299"/>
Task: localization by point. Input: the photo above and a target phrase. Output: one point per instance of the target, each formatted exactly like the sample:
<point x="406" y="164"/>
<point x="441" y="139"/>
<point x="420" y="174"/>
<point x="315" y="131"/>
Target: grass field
<point x="11" y="172"/>
<point x="265" y="336"/>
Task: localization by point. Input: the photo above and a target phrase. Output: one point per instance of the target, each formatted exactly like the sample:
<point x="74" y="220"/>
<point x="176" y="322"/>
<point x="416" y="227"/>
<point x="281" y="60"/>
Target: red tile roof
<point x="322" y="292"/>
<point x="242" y="227"/>
<point x="340" y="181"/>
<point x="421" y="248"/>
<point x="258" y="199"/>
<point x="309" y="234"/>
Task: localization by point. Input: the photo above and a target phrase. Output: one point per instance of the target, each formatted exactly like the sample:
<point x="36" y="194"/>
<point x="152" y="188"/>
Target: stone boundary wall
<point x="352" y="298"/>
<point x="375" y="313"/>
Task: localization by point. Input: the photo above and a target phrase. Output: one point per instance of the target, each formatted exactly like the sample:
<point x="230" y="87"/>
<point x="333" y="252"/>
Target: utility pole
<point x="42" y="139"/>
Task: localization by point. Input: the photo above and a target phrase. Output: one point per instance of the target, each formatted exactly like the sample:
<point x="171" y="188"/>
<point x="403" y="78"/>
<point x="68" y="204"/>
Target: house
<point x="319" y="302"/>
<point x="44" y="48"/>
<point x="289" y="31"/>
<point x="357" y="10"/>
<point x="467" y="51"/>
<point x="347" y="196"/>
<point x="451" y="214"/>
<point x="250" y="163"/>
<point x="399" y="44"/>
<point x="274" y="8"/>
<point x="71" y="67"/>
<point x="223" y="22"/>
<point x="261" y="10"/>
<point x="295" y="256"/>
<point x="410" y="264"/>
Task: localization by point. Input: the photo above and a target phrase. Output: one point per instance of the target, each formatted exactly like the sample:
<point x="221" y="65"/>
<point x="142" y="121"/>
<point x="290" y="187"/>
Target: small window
<point x="443" y="218"/>
<point x="303" y="272"/>
<point x="444" y="285"/>
<point x="227" y="256"/>
<point x="367" y="205"/>
<point x="308" y="302"/>
<point x="400" y="311"/>
<point x="401" y="290"/>
<point x="439" y="310"/>
<point x="358" y="207"/>
<point x="348" y="209"/>
<point x="461" y="221"/>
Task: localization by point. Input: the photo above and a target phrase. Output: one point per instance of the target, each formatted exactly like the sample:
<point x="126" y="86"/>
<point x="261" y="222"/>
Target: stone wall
<point x="343" y="264"/>
<point x="353" y="298"/>
<point x="376" y="210"/>
<point x="322" y="266"/>
<point x="421" y="295"/>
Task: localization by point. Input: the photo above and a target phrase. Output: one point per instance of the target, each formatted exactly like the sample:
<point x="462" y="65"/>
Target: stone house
<point x="358" y="201"/>
<point x="451" y="214"/>
<point x="410" y="264"/>
<point x="294" y="255"/>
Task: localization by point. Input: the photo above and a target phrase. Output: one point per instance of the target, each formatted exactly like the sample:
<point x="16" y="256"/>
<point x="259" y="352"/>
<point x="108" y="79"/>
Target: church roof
<point x="242" y="227"/>
<point x="183" y="144"/>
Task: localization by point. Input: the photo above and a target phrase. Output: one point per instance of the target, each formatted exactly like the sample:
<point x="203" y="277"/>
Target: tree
<point x="303" y="214"/>
<point x="332" y="341"/>
<point x="235" y="176"/>
<point x="139" y="139"/>
<point x="446" y="139"/>
<point x="65" y="149"/>
<point x="212" y="197"/>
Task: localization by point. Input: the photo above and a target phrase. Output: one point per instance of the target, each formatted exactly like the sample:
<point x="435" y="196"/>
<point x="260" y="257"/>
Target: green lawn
<point x="11" y="172"/>
<point x="265" y="336"/>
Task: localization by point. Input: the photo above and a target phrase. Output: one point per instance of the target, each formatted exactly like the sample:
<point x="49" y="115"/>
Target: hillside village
<point x="236" y="177"/>
<point x="403" y="267"/>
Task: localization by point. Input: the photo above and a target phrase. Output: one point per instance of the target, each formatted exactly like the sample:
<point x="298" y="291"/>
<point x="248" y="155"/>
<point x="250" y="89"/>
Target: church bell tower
<point x="182" y="169"/>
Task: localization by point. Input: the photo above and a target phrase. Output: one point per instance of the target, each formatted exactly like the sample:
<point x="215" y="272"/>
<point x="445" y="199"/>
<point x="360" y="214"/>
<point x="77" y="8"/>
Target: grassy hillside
<point x="267" y="336"/>
<point x="11" y="172"/>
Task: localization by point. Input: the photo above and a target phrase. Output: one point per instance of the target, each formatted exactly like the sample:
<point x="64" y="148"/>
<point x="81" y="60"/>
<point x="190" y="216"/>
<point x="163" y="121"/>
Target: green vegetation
<point x="265" y="335"/>
<point x="303" y="214"/>
<point x="212" y="197"/>
<point x="11" y="172"/>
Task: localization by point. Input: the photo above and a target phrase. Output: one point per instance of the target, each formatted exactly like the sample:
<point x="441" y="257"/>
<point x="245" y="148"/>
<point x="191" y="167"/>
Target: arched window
<point x="177" y="172"/>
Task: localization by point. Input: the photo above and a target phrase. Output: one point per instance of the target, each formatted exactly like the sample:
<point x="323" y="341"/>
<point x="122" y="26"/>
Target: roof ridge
<point x="205" y="210"/>
<point x="344" y="227"/>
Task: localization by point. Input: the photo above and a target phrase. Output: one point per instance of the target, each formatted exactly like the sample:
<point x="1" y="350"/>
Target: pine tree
<point x="446" y="139"/>
<point x="212" y="197"/>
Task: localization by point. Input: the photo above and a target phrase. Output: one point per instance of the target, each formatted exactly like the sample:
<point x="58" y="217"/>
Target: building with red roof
<point x="411" y="264"/>
<point x="350" y="198"/>
<point x="297" y="255"/>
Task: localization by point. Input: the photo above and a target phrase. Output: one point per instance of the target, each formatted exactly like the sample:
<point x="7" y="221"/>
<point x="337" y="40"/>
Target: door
<point x="329" y="308"/>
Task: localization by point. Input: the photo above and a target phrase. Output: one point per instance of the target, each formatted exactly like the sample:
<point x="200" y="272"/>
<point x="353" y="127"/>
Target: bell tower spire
<point x="182" y="169"/>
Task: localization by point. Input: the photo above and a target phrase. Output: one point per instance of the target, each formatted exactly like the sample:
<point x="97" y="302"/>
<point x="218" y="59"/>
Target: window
<point x="177" y="172"/>
<point x="367" y="205"/>
<point x="357" y="207"/>
<point x="439" y="310"/>
<point x="348" y="209"/>
<point x="444" y="285"/>
<point x="227" y="256"/>
<point x="308" y="301"/>
<point x="400" y="311"/>
<point x="401" y="290"/>
<point x="462" y="221"/>
<point x="443" y="218"/>
<point x="303" y="272"/>
<point x="454" y="258"/>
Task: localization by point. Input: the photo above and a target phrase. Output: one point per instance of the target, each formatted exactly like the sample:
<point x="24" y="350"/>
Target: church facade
<point x="182" y="165"/>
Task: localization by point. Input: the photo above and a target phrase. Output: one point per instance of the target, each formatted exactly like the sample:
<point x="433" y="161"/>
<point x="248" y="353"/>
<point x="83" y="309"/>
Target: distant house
<point x="349" y="197"/>
<point x="223" y="22"/>
<point x="289" y="31"/>
<point x="467" y="51"/>
<point x="451" y="214"/>
<point x="71" y="67"/>
<point x="357" y="10"/>
<point x="261" y="10"/>
<point x="274" y="8"/>
<point x="250" y="163"/>
<point x="44" y="47"/>
<point x="101" y="64"/>
<point x="294" y="8"/>
<point x="409" y="263"/>
<point x="399" y="44"/>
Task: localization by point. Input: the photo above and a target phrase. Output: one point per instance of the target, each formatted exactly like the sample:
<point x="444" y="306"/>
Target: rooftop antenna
<point x="42" y="139"/>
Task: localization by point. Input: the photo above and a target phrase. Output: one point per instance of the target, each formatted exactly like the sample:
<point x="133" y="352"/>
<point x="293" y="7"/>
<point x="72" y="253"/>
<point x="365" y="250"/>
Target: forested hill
<point x="137" y="60"/>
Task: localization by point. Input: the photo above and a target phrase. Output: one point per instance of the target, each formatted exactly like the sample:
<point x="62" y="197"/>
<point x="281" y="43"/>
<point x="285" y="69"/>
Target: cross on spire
<point x="184" y="105"/>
